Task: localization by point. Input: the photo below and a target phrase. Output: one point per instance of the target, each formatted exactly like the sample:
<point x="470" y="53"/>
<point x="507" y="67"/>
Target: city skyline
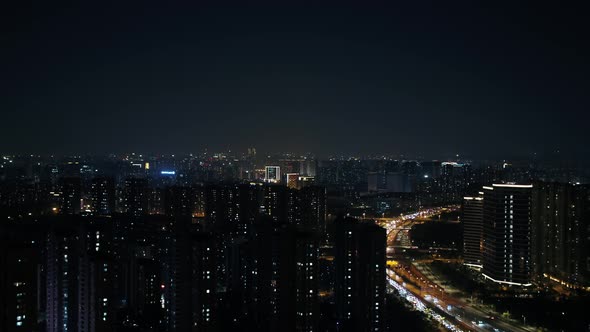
<point x="285" y="242"/>
<point x="306" y="167"/>
<point x="551" y="157"/>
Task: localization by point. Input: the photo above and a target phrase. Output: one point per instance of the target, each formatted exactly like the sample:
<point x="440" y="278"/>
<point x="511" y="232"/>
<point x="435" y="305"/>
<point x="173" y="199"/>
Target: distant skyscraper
<point x="401" y="182"/>
<point x="360" y="274"/>
<point x="157" y="200"/>
<point x="307" y="167"/>
<point x="313" y="202"/>
<point x="252" y="152"/>
<point x="305" y="181"/>
<point x="561" y="248"/>
<point x="180" y="201"/>
<point x="292" y="180"/>
<point x="472" y="218"/>
<point x="430" y="169"/>
<point x="232" y="209"/>
<point x="103" y="196"/>
<point x="71" y="195"/>
<point x="507" y="234"/>
<point x="455" y="179"/>
<point x="395" y="182"/>
<point x="135" y="197"/>
<point x="272" y="174"/>
<point x="275" y="203"/>
<point x="377" y="182"/>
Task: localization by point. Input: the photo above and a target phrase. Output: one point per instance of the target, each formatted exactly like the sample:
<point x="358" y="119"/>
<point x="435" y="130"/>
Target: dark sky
<point x="484" y="81"/>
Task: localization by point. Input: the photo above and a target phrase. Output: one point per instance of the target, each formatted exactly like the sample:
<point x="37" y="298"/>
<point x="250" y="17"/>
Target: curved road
<point x="465" y="315"/>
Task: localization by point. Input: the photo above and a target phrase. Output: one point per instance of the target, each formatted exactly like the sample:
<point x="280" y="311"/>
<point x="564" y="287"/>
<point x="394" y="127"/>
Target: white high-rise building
<point x="272" y="174"/>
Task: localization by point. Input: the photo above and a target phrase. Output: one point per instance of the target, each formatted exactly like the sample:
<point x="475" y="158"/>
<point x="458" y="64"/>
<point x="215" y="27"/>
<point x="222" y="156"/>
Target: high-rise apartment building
<point x="135" y="197"/>
<point x="472" y="218"/>
<point x="507" y="234"/>
<point x="103" y="196"/>
<point x="79" y="277"/>
<point x="19" y="280"/>
<point x="71" y="195"/>
<point x="313" y="208"/>
<point x="360" y="274"/>
<point x="272" y="174"/>
<point x="560" y="247"/>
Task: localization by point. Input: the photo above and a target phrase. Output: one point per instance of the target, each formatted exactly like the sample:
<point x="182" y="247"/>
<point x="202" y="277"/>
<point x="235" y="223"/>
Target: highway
<point x="466" y="316"/>
<point x="425" y="294"/>
<point x="397" y="285"/>
<point x="404" y="223"/>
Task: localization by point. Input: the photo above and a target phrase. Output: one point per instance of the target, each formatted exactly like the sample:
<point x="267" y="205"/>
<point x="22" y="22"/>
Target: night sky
<point x="427" y="81"/>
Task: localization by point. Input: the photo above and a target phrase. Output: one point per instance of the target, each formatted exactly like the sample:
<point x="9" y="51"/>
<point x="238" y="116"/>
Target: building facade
<point x="507" y="234"/>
